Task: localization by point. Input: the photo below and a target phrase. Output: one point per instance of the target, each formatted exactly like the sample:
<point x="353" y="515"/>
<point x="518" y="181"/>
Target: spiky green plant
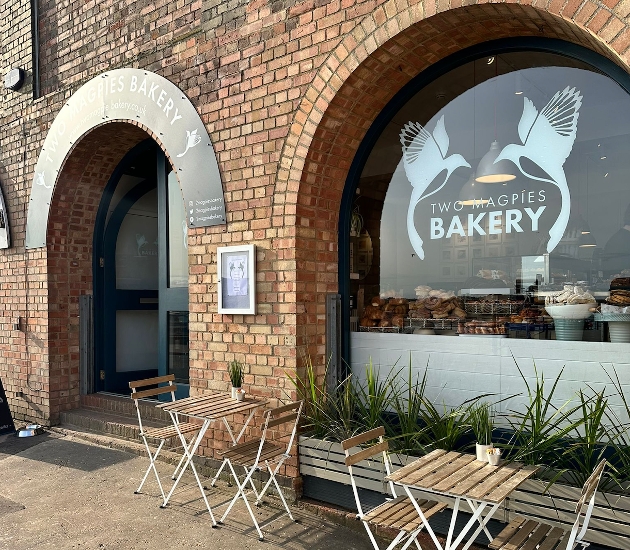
<point x="375" y="396"/>
<point x="408" y="405"/>
<point x="481" y="417"/>
<point x="540" y="431"/>
<point x="236" y="372"/>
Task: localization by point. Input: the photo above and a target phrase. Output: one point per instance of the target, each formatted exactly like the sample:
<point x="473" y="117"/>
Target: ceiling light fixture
<point x="470" y="194"/>
<point x="487" y="170"/>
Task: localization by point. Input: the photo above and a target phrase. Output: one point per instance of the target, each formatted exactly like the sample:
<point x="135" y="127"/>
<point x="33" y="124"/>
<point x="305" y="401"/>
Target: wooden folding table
<point x="207" y="408"/>
<point x="461" y="476"/>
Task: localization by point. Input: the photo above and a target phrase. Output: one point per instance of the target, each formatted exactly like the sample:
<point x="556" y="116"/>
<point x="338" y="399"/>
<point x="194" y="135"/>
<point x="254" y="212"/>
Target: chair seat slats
<point x="523" y="534"/>
<point x="401" y="514"/>
<point x="168" y="432"/>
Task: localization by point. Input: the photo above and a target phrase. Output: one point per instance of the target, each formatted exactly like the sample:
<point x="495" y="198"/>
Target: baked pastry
<point x="433" y="302"/>
<point x="377" y="301"/>
<point x="366" y="322"/>
<point x="398" y="321"/>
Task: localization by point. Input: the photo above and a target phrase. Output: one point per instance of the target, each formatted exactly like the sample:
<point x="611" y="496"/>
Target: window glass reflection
<point x="497" y="201"/>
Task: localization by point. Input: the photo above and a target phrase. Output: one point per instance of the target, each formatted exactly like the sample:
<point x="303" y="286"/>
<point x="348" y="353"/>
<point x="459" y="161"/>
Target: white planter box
<point x="609" y="525"/>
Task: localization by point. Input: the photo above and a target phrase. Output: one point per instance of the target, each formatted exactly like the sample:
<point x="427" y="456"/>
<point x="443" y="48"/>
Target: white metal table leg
<point x="451" y="527"/>
<point x="482" y="523"/>
<point x="189" y="450"/>
<point x="423" y="518"/>
<point x="235" y="441"/>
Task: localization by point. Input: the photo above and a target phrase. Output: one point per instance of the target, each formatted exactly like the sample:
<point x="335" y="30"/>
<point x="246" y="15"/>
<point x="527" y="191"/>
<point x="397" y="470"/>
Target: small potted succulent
<point x="481" y="422"/>
<point x="236" y="372"/>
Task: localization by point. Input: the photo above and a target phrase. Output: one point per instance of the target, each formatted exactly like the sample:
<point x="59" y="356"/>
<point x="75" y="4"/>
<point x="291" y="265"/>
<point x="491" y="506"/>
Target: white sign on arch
<point x="155" y="103"/>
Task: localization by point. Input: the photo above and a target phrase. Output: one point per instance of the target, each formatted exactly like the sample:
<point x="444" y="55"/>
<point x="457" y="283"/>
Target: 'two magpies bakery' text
<point x="488" y="222"/>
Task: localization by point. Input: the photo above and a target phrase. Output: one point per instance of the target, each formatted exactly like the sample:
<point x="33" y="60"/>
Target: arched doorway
<point x="141" y="274"/>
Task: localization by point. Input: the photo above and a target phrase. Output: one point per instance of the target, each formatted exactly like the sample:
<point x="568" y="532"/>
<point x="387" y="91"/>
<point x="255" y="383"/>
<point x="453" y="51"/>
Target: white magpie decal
<point x="548" y="138"/>
<point x="424" y="158"/>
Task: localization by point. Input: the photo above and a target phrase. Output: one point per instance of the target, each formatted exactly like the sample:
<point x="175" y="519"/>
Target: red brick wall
<point x="287" y="90"/>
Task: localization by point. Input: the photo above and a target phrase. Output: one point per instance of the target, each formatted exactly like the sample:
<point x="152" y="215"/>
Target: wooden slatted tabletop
<point x="212" y="405"/>
<point x="461" y="475"/>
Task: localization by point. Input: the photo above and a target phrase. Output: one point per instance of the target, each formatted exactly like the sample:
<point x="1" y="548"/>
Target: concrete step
<point x="122" y="405"/>
<point x="123" y="426"/>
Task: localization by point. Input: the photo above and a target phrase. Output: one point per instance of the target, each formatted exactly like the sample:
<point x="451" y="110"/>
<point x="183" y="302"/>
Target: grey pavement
<point x="58" y="491"/>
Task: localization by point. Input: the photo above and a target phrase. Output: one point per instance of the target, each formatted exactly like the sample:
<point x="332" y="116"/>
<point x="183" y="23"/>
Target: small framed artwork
<point x="477" y="238"/>
<point x="237" y="279"/>
<point x="493" y="252"/>
<point x="477" y="252"/>
<point x="461" y="254"/>
<point x="461" y="239"/>
<point x="446" y="271"/>
<point x="510" y="250"/>
<point x="446" y="256"/>
<point x="494" y="237"/>
<point x="462" y="270"/>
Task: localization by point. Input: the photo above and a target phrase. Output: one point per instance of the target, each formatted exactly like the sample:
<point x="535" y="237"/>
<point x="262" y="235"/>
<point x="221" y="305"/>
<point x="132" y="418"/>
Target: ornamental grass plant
<point x="565" y="439"/>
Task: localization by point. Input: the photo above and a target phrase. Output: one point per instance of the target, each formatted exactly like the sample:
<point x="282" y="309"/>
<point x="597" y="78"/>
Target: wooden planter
<point x="609" y="525"/>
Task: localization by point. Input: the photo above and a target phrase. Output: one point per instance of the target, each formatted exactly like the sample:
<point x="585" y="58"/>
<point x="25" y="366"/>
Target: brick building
<point x="287" y="92"/>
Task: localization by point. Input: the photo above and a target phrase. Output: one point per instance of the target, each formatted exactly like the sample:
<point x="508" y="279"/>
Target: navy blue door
<point x="141" y="286"/>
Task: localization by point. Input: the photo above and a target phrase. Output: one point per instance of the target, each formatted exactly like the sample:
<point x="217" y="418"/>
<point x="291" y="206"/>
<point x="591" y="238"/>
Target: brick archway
<point x="75" y="203"/>
<point x="360" y="77"/>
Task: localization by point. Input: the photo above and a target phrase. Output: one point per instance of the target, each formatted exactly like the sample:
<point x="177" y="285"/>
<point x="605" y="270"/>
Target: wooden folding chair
<point x="399" y="513"/>
<point x="524" y="534"/>
<point x="152" y="388"/>
<point x="265" y="453"/>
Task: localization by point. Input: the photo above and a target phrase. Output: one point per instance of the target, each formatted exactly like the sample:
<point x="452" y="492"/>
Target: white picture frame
<point x="236" y="276"/>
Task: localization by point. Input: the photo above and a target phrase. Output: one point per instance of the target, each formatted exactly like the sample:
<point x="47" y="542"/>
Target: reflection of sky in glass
<point x="596" y="168"/>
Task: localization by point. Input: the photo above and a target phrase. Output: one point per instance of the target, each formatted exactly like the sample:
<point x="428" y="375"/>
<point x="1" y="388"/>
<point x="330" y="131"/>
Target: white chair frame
<point x="262" y="454"/>
<point x="161" y="434"/>
<point x="393" y="509"/>
<point x="521" y="531"/>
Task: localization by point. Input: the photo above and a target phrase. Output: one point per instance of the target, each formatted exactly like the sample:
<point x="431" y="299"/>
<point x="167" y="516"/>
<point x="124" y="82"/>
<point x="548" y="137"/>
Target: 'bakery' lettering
<point x="513" y="223"/>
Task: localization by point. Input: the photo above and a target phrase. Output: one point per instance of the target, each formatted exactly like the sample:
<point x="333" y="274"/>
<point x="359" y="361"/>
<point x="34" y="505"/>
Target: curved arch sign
<point x="157" y="104"/>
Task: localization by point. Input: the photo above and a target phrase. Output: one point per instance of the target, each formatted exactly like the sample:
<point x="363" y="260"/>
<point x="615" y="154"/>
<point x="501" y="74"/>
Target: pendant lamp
<point x="586" y="240"/>
<point x="489" y="172"/>
<point x="471" y="193"/>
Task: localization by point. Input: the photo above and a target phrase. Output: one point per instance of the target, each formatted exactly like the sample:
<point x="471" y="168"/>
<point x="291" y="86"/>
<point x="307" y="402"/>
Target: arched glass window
<point x="496" y="202"/>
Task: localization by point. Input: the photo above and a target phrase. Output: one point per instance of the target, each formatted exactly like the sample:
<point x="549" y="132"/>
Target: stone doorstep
<point x="121" y="405"/>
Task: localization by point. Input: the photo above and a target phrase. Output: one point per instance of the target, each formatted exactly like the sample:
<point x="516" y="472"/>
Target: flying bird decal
<point x="548" y="139"/>
<point x="424" y="157"/>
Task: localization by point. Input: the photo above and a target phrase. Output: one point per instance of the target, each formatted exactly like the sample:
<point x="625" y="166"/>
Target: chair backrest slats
<point x="281" y="420"/>
<point x="590" y="486"/>
<point x="152" y="381"/>
<point x="357" y="457"/>
<point x="284" y="408"/>
<point x="154" y="391"/>
<point x="363" y="437"/>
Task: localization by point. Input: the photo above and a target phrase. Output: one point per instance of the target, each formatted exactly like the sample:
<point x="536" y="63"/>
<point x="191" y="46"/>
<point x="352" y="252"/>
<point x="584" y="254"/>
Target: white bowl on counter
<point x="570" y="311"/>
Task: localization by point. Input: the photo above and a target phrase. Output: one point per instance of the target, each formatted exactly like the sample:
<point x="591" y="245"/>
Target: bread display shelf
<point x="439" y="324"/>
<point x="608" y="317"/>
<point x="493" y="308"/>
<point x="392" y="330"/>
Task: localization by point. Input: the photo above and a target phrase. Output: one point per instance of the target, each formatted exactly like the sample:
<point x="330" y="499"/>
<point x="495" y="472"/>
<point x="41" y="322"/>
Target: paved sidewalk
<point x="61" y="492"/>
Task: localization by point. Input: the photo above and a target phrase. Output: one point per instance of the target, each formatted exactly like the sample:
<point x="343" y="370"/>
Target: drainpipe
<point x="35" y="46"/>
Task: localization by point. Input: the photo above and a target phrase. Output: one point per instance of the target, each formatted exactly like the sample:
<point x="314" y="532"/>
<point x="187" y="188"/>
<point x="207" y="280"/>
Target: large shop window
<point x="496" y="202"/>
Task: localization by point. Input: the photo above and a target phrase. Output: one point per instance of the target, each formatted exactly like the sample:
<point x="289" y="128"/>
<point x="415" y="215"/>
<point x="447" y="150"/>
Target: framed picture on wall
<point x="461" y="254"/>
<point x="446" y="255"/>
<point x="237" y="279"/>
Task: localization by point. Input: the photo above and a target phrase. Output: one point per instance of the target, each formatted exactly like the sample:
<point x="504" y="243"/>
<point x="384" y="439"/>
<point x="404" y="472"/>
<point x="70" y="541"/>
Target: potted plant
<point x="481" y="423"/>
<point x="236" y="371"/>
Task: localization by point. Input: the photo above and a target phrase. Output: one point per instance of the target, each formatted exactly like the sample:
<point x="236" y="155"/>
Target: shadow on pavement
<point x="69" y="454"/>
